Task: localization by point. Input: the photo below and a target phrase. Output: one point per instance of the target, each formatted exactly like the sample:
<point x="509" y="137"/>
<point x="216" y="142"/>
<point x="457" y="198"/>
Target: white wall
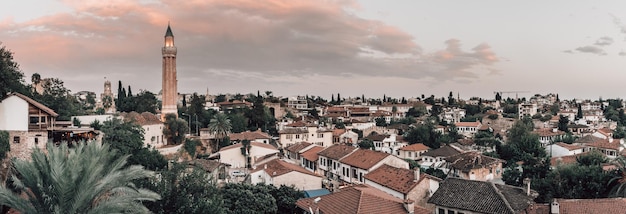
<point x="14" y="114"/>
<point x="300" y="180"/>
<point x="156" y="131"/>
<point x="385" y="189"/>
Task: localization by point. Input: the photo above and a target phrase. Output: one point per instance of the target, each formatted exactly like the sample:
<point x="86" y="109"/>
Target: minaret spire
<point x="169" y="98"/>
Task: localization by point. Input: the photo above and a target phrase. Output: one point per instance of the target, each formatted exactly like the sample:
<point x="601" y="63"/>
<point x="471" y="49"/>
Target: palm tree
<point x="85" y="179"/>
<point x="618" y="182"/>
<point x="220" y="127"/>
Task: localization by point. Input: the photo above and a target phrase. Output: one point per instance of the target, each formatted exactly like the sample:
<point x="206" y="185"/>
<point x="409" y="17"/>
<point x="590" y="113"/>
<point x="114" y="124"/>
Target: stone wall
<point x="23" y="143"/>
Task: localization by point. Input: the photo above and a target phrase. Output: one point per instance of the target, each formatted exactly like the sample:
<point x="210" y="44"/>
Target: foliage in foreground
<point x="89" y="178"/>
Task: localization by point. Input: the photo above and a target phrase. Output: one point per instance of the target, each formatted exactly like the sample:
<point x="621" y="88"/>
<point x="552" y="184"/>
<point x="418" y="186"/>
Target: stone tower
<point x="169" y="94"/>
<point x="107" y="98"/>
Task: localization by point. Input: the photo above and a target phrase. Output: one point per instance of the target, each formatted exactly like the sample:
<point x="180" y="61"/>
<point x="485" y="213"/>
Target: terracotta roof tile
<point x="471" y="160"/>
<point x="547" y="132"/>
<point x="569" y="146"/>
<point x="293" y="131"/>
<point x="364" y="158"/>
<point x="338" y="132"/>
<point x="295" y="148"/>
<point x="248" y="135"/>
<point x="356" y="199"/>
<point x="377" y="137"/>
<point x="253" y="144"/>
<point x="584" y="206"/>
<point x="278" y="167"/>
<point x="613" y="144"/>
<point x="467" y="124"/>
<point x="337" y="151"/>
<point x="565" y="160"/>
<point x="311" y="154"/>
<point x="415" y="147"/>
<point x="398" y="179"/>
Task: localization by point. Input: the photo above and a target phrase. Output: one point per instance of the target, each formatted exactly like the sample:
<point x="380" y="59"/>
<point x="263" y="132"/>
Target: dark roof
<point x="398" y="179"/>
<point x="600" y="205"/>
<point x="248" y="135"/>
<point x="278" y="167"/>
<point x="587" y="139"/>
<point x="481" y="196"/>
<point x="293" y="131"/>
<point x="444" y="151"/>
<point x="169" y="31"/>
<point x="471" y="160"/>
<point x="337" y="151"/>
<point x="377" y="137"/>
<point x="295" y="148"/>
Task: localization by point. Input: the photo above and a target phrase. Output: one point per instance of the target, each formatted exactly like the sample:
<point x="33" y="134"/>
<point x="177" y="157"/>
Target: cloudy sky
<point x="295" y="47"/>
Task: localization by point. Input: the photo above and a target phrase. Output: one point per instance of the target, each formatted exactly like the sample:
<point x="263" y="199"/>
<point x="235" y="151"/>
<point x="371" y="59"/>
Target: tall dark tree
<point x="121" y="95"/>
<point x="563" y="122"/>
<point x="12" y="78"/>
<point x="129" y="93"/>
<point x="339" y="99"/>
<point x="498" y="96"/>
<point x="579" y="114"/>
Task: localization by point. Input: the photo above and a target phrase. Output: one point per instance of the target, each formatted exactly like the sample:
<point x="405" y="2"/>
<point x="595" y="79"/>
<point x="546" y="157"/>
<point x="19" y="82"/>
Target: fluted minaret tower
<point x="169" y="96"/>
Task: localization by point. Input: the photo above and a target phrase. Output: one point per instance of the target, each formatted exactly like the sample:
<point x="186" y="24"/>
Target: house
<point x="475" y="166"/>
<point x="28" y="123"/>
<point x="234" y="156"/>
<point x="216" y="170"/>
<point x="403" y="183"/>
<point x="452" y="115"/>
<point x="467" y="128"/>
<point x="413" y="152"/>
<point x="388" y="143"/>
<point x="258" y="136"/>
<point x="563" y="149"/>
<point x="548" y="135"/>
<point x="329" y="164"/>
<point x="603" y="133"/>
<point x="344" y="136"/>
<point x="527" y="110"/>
<point x="228" y="106"/>
<point x="298" y="102"/>
<point x="362" y="161"/>
<point x="609" y="147"/>
<point x="436" y="158"/>
<point x="358" y="199"/>
<point x="278" y="172"/>
<point x="456" y="195"/>
<point x="309" y="157"/>
<point x="301" y="131"/>
<point x="584" y="206"/>
<point x="566" y="160"/>
<point x="151" y="125"/>
<point x="293" y="151"/>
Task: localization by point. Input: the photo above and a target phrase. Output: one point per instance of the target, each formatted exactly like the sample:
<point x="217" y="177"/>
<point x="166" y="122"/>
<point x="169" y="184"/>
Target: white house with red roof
<point x="359" y="163"/>
<point x="413" y="151"/>
<point x="548" y="135"/>
<point x="468" y="128"/>
<point x="405" y="184"/>
<point x="305" y="132"/>
<point x="278" y="172"/>
<point x="563" y="149"/>
<point x="233" y="154"/>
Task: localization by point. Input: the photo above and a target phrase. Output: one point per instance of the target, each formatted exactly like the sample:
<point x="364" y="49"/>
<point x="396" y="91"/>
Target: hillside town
<point x="259" y="152"/>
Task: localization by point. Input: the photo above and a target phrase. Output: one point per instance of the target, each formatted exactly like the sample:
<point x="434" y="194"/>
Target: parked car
<point x="238" y="173"/>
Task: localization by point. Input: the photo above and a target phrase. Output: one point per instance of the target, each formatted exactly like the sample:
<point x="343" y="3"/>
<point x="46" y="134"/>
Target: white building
<point x="527" y="110"/>
<point x="278" y="172"/>
<point x="298" y="102"/>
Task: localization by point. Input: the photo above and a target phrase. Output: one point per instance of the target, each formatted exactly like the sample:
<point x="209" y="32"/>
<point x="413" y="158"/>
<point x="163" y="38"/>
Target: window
<point x="42" y="119"/>
<point x="288" y="136"/>
<point x="36" y="140"/>
<point x="320" y="135"/>
<point x="16" y="139"/>
<point x="450" y="211"/>
<point x="297" y="136"/>
<point x="34" y="120"/>
<point x="441" y="211"/>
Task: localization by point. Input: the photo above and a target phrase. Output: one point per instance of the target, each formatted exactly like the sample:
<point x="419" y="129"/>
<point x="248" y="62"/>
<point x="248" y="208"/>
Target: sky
<point x="399" y="48"/>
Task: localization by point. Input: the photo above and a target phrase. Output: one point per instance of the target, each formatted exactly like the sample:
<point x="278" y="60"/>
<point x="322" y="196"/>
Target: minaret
<point x="169" y="95"/>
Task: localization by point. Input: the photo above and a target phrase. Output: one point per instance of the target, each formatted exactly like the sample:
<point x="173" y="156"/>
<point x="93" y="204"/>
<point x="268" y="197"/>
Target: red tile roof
<point x="584" y="206"/>
<point x="278" y="167"/>
<point x="569" y="146"/>
<point x="311" y="154"/>
<point x="364" y="158"/>
<point x="248" y="135"/>
<point x="295" y="148"/>
<point x="356" y="199"/>
<point x="415" y="147"/>
<point x="338" y="132"/>
<point x="252" y="144"/>
<point x="565" y="160"/>
<point x="614" y="144"/>
<point x="142" y="119"/>
<point x="398" y="179"/>
<point x="471" y="160"/>
<point x="337" y="151"/>
<point x="467" y="124"/>
<point x="547" y="132"/>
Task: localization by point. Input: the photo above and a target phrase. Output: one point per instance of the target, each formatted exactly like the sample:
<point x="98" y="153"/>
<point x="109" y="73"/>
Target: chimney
<point x="409" y="206"/>
<point x="416" y="174"/>
<point x="554" y="207"/>
<point x="610" y="140"/>
<point x="527" y="183"/>
<point x="555" y="130"/>
<point x="265" y="166"/>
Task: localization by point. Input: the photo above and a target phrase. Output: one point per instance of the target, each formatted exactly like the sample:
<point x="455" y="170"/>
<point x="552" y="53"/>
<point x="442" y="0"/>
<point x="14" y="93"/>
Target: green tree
<point x="86" y="179"/>
<point x="366" y="144"/>
<point x="246" y="198"/>
<point x="220" y="127"/>
<point x="5" y="147"/>
<point x="12" y="77"/>
<point x="190" y="146"/>
<point x="175" y="129"/>
<point x="380" y="121"/>
<point x="579" y="113"/>
<point x="563" y="122"/>
<point x="127" y="138"/>
<point x="184" y="191"/>
<point x="145" y="101"/>
<point x="58" y="98"/>
<point x="286" y="197"/>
